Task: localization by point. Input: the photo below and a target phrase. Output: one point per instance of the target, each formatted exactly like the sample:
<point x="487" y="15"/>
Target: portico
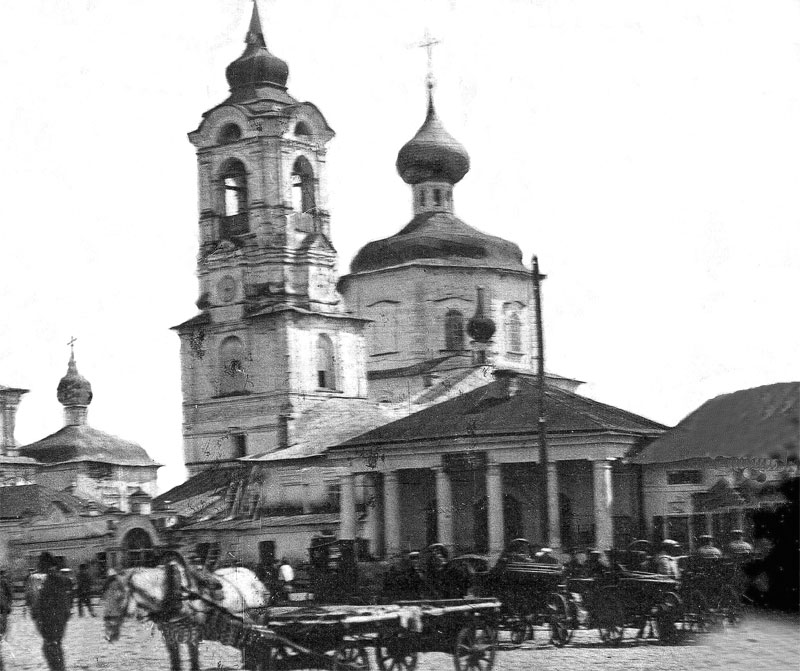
<point x="474" y="490"/>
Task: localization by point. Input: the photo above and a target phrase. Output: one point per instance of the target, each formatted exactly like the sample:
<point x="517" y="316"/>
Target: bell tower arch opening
<point x="303" y="198"/>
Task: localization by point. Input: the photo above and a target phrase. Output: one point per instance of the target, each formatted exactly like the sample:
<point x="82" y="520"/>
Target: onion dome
<point x="256" y="66"/>
<point x="481" y="327"/>
<point x="432" y="155"/>
<point x="74" y="389"/>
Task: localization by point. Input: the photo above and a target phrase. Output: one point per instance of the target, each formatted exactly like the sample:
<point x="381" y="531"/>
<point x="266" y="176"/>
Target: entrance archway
<point x="137" y="547"/>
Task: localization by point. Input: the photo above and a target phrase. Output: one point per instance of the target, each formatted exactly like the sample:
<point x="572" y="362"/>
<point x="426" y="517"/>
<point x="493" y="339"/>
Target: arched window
<point x="422" y="197"/>
<point x="302" y="128"/>
<point x="232" y="375"/>
<point x="230" y="133"/>
<point x="454" y="330"/>
<point x="234" y="180"/>
<point x="302" y="186"/>
<point x="326" y="376"/>
<point x="437" y="197"/>
<point x="514" y="333"/>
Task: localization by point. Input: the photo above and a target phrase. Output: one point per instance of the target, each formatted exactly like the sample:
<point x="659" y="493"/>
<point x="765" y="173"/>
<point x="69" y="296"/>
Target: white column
<point x="347" y="507"/>
<point x="553" y="508"/>
<point x="444" y="508"/>
<point x="374" y="531"/>
<point x="494" y="506"/>
<point x="603" y="498"/>
<point x="391" y="513"/>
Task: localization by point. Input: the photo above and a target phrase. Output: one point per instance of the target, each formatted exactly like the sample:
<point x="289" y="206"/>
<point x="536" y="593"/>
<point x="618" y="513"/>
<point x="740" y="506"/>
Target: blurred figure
<point x="738" y="548"/>
<point x="595" y="568"/>
<point x="574" y="565"/>
<point x="6" y="597"/>
<point x="50" y="609"/>
<point x="665" y="561"/>
<point x="707" y="549"/>
<point x="286" y="578"/>
<point x="545" y="556"/>
<point x="84" y="589"/>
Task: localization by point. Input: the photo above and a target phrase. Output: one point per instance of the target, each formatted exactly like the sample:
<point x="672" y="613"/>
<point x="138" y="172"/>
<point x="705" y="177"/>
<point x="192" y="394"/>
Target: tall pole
<point x="542" y="422"/>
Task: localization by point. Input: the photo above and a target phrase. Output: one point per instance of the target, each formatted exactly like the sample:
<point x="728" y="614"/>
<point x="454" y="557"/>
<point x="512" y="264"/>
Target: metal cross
<point x="71" y="343"/>
<point x="428" y="43"/>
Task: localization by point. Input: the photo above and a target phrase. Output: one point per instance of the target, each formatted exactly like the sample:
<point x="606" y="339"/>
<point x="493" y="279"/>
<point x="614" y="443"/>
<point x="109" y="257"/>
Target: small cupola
<point x="257" y="67"/>
<point x="74" y="393"/>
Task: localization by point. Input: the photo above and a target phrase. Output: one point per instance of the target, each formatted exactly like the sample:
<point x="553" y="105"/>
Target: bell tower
<point x="272" y="334"/>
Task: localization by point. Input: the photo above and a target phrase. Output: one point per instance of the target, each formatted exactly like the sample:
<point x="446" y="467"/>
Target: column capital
<point x="599" y="464"/>
<point x="494" y="468"/>
<point x="390" y="475"/>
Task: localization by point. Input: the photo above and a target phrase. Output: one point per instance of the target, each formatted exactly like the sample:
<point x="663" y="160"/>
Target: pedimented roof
<point x="489" y="411"/>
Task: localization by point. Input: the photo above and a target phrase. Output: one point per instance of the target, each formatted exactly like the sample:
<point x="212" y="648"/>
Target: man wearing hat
<point x="665" y="561"/>
<point x="707" y="550"/>
<point x="51" y="609"/>
<point x="738" y="548"/>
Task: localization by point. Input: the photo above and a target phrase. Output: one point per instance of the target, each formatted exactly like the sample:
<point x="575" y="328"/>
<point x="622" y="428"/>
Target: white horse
<point x="181" y="602"/>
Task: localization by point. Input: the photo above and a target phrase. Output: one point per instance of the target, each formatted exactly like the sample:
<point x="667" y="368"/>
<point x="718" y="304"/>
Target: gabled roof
<point x="490" y="411"/>
<point x="82" y="442"/>
<point x="763" y="422"/>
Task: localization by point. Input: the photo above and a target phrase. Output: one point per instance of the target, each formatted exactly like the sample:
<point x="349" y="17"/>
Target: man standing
<point x="5" y="610"/>
<point x="286" y="577"/>
<point x="84" y="590"/>
<point x="51" y="609"/>
<point x="665" y="561"/>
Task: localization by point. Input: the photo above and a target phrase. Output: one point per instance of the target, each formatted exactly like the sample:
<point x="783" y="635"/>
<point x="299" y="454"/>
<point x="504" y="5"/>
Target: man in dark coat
<point x="84" y="590"/>
<point x="51" y="610"/>
<point x="6" y="597"/>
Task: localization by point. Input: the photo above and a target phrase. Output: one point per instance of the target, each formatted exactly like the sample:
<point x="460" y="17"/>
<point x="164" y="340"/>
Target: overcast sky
<point x="648" y="152"/>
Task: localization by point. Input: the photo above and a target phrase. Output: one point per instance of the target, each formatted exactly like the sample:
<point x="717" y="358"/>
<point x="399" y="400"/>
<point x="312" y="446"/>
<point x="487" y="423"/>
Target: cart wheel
<point x="668" y="613"/>
<point x="350" y="656"/>
<point x="397" y="653"/>
<point x="475" y="648"/>
<point x="560" y="633"/>
<point x="730" y="607"/>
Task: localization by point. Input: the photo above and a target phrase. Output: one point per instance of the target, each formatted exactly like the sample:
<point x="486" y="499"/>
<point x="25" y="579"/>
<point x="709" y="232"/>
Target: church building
<point x="392" y="404"/>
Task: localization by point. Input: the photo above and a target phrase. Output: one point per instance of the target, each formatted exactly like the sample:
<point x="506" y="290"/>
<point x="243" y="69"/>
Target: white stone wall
<point x="408" y="304"/>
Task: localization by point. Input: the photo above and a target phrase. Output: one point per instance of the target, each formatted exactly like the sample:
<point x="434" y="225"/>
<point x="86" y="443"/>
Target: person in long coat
<point x="50" y="610"/>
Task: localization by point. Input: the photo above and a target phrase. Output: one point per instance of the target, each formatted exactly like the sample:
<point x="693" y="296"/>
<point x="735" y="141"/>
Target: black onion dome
<point x="439" y="236"/>
<point x="481" y="327"/>
<point x="74" y="389"/>
<point x="257" y="66"/>
<point x="432" y="154"/>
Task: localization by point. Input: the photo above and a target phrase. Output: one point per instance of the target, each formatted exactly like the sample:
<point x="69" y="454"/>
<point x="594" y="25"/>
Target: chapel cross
<point x="71" y="344"/>
<point x="429" y="42"/>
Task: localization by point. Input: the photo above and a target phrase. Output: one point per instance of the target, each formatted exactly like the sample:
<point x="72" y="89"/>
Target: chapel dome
<point x="73" y="388"/>
<point x="439" y="237"/>
<point x="432" y="154"/>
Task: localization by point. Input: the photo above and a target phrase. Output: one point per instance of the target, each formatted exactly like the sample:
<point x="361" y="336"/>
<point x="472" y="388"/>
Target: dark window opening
<point x="302" y="186"/>
<point x="230" y="133"/>
<point x="422" y="198"/>
<point x="233" y="378"/>
<point x="692" y="477"/>
<point x="325" y="363"/>
<point x="302" y="128"/>
<point x="437" y="197"/>
<point x="454" y="330"/>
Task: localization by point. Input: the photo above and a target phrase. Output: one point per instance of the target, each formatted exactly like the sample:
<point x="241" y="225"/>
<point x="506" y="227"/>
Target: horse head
<point x="118" y="602"/>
